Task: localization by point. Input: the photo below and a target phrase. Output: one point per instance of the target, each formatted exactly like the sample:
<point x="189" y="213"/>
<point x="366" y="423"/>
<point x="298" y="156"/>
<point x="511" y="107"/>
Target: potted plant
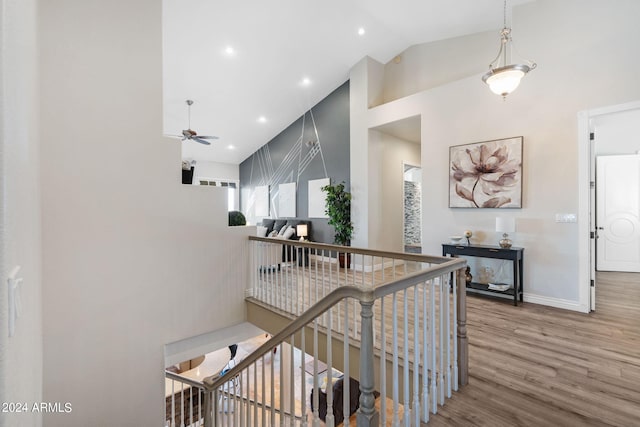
<point x="236" y="218"/>
<point x="338" y="208"/>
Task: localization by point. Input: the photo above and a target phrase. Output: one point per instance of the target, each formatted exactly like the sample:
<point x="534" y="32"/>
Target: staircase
<point x="395" y="322"/>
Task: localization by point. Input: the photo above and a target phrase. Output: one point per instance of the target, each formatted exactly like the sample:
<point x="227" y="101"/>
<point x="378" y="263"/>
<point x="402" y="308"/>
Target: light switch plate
<point x="566" y="217"/>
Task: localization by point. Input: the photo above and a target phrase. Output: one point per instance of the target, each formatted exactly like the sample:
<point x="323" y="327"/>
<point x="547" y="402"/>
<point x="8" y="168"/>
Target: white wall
<point x="133" y="259"/>
<point x="222" y="171"/>
<point x="579" y="69"/>
<point x="20" y="355"/>
<point x="386" y="219"/>
<point x="216" y="170"/>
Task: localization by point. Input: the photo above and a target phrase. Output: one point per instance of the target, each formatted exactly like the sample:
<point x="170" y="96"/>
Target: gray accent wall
<point x="297" y="156"/>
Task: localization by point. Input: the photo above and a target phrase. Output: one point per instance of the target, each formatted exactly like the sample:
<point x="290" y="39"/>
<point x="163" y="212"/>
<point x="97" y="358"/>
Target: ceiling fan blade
<point x="200" y="140"/>
<point x="208" y="137"/>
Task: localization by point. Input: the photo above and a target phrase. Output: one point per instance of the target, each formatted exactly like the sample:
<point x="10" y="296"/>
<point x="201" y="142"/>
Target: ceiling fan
<point x="190" y="134"/>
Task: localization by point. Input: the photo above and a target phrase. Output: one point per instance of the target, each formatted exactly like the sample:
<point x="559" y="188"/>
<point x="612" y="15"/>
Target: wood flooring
<point x="534" y="365"/>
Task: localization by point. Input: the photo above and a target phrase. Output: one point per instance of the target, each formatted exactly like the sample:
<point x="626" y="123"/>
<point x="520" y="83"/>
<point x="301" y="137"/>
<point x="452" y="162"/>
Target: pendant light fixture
<point x="501" y="77"/>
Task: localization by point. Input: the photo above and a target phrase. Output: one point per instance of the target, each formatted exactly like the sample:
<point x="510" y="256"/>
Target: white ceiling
<point x="276" y="45"/>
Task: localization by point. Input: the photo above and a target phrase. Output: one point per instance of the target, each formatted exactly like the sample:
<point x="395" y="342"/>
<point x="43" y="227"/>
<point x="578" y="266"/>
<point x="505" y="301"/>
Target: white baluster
<point x="272" y="400"/>
<point x="255" y="393"/>
<point x="173" y="403"/>
<point x="190" y="405"/>
<point x="181" y="404"/>
<point x="383" y="363"/>
<point x="395" y="421"/>
<point x="292" y="401"/>
<point x="425" y="356"/>
<point x="264" y="394"/>
<point x="346" y="402"/>
<point x="316" y="385"/>
<point x="330" y="420"/>
<point x="282" y="385"/>
<point x="416" y="358"/>
<point x="248" y="393"/>
<point x="455" y="330"/>
<point x="441" y="331"/>
<point x="406" y="398"/>
<point x="278" y="282"/>
<point x="448" y="333"/>
<point x="303" y="375"/>
<point x="432" y="347"/>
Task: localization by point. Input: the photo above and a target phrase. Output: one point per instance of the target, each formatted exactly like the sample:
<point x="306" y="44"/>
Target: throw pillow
<point x="274" y="233"/>
<point x="279" y="223"/>
<point x="268" y="222"/>
<point x="283" y="230"/>
<point x="289" y="232"/>
<point x="261" y="231"/>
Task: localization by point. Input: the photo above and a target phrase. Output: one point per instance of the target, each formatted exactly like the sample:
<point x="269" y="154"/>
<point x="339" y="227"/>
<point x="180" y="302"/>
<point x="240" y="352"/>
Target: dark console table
<point x="513" y="254"/>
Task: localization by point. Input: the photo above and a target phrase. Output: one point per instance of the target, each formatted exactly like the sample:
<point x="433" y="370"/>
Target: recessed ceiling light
<point x="361" y="31"/>
<point x="231" y="147"/>
<point x="306" y="81"/>
<point x="229" y="50"/>
<point x="262" y="119"/>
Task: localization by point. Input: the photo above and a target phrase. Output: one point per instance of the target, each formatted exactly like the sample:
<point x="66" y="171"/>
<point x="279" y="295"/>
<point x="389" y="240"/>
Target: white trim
<point x="358" y="266"/>
<point x="375" y="267"/>
<point x="584" y="196"/>
<point x="557" y="303"/>
<point x="323" y="258"/>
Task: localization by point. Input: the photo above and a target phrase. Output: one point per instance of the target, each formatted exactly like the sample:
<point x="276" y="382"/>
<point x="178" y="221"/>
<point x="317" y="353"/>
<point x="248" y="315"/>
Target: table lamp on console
<point x="505" y="226"/>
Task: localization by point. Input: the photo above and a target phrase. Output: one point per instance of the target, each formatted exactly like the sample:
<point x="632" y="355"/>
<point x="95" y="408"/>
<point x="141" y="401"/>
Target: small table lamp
<point x="505" y="225"/>
<point x="302" y="231"/>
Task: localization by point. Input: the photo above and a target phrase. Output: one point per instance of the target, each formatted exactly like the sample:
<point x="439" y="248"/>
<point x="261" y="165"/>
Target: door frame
<point x="586" y="201"/>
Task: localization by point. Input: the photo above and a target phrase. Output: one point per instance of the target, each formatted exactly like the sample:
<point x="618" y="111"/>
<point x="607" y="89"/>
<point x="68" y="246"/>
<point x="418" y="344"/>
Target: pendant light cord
<point x="505" y="14"/>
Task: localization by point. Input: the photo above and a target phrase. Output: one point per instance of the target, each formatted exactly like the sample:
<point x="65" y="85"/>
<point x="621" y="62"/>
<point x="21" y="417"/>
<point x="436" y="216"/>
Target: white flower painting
<point x="486" y="174"/>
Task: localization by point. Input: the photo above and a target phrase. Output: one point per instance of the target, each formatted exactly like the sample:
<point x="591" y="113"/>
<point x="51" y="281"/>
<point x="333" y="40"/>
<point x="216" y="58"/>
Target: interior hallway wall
<point x="386" y="156"/>
<point x="133" y="259"/>
<point x="20" y="236"/>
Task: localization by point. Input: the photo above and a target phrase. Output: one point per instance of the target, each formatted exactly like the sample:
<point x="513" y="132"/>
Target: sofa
<point x="277" y="225"/>
<point x="285" y="229"/>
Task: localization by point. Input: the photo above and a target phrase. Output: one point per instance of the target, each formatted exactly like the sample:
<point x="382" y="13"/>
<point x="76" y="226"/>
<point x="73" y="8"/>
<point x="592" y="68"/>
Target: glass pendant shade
<point x="504" y="80"/>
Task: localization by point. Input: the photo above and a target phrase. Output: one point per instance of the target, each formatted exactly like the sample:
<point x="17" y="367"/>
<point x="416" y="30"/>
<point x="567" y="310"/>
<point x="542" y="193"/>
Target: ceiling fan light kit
<point x="502" y="78"/>
<point x="190" y="134"/>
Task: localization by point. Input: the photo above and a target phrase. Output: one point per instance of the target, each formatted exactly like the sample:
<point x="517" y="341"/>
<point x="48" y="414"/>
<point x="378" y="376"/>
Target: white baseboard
<point x="556" y="302"/>
<point x="357" y="266"/>
<point x="323" y="258"/>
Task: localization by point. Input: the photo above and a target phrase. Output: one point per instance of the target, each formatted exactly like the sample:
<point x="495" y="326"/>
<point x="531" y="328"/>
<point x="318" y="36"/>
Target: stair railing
<point x="408" y="304"/>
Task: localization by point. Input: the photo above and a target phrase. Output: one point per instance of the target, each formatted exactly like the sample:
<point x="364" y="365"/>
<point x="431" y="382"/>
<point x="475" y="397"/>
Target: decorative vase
<point x="486" y="275"/>
<point x="468" y="276"/>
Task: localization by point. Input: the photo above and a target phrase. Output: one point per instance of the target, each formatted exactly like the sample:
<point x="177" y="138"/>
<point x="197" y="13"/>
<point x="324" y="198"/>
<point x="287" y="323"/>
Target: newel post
<point x="463" y="340"/>
<point x="367" y="414"/>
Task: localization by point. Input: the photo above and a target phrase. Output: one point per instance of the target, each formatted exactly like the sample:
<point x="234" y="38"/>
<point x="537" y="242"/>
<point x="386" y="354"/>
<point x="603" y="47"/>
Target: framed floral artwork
<point x="486" y="174"/>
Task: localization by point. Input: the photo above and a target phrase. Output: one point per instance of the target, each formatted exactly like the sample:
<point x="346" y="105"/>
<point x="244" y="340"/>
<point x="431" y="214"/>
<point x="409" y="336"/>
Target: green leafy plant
<point x="338" y="208"/>
<point x="236" y="218"/>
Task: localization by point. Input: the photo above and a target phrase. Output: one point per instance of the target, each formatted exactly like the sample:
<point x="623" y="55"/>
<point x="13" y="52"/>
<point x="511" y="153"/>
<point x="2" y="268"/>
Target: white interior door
<point x="618" y="213"/>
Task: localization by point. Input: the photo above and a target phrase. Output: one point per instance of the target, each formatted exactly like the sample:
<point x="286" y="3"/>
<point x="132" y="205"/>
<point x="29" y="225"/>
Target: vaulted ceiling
<point x="253" y="67"/>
